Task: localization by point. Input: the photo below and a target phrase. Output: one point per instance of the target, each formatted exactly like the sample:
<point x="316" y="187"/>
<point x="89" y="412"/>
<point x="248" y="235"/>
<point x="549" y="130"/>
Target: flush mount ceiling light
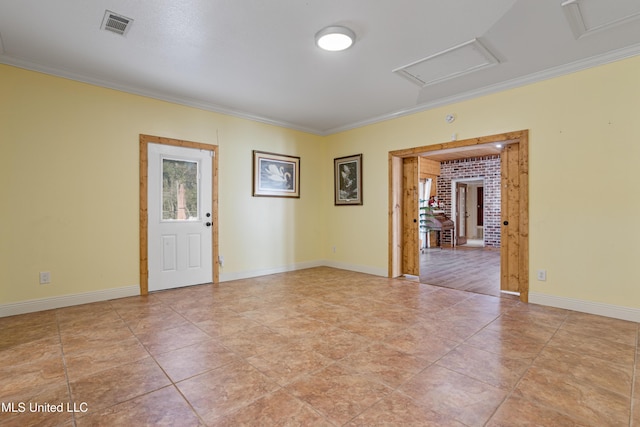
<point x="335" y="38"/>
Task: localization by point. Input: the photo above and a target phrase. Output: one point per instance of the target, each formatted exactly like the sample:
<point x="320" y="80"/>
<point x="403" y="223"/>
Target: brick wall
<point x="487" y="168"/>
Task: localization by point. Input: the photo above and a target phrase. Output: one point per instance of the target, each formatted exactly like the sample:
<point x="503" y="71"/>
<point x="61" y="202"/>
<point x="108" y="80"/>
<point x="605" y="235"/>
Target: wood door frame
<point x="460" y="218"/>
<point x="145" y="140"/>
<point x="395" y="197"/>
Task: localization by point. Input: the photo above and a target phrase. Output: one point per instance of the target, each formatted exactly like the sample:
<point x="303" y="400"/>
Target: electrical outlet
<point x="45" y="277"/>
<point x="334" y="249"/>
<point x="221" y="260"/>
<point x="542" y="275"/>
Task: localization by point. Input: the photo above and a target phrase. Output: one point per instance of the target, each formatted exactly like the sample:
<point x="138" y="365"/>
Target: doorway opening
<point x="512" y="217"/>
<point x="468" y="211"/>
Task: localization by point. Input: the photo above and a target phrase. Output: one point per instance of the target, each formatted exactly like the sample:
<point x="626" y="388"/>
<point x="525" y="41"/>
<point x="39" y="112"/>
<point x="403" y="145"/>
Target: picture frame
<point x="348" y="180"/>
<point x="275" y="175"/>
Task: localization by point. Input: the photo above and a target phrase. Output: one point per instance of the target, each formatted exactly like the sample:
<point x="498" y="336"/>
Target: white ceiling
<point x="257" y="58"/>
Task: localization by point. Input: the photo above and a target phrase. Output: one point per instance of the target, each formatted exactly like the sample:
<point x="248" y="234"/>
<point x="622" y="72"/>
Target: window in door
<point x="179" y="190"/>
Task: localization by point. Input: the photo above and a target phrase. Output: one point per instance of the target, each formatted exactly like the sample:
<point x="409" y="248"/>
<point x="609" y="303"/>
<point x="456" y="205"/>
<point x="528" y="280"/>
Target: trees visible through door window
<point x="179" y="190"/>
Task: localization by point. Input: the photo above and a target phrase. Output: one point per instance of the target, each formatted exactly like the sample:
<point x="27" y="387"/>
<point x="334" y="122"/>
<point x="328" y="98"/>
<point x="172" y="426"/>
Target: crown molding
<point x="550" y="73"/>
<point x="547" y="74"/>
<point x="151" y="94"/>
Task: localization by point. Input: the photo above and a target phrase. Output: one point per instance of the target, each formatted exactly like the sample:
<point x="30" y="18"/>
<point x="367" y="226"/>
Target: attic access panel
<point x="454" y="62"/>
<point x="589" y="16"/>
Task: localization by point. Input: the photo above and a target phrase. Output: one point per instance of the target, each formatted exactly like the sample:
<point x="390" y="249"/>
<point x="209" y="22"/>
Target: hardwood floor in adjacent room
<point x="317" y="347"/>
<point x="470" y="269"/>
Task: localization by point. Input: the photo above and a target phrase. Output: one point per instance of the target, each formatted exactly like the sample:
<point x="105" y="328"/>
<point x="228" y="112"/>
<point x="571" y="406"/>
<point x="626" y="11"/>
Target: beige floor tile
<point x="443" y="298"/>
<point x="479" y="303"/>
<point x="396" y="314"/>
<point x="599" y="347"/>
<point x="454" y="395"/>
<point x="635" y="413"/>
<point x="421" y="341"/>
<point x="276" y="409"/>
<point x="495" y="369"/>
<point x="228" y="325"/>
<point x="399" y="410"/>
<point x="370" y="327"/>
<point x="337" y="393"/>
<point x="254" y="341"/>
<point x="509" y="325"/>
<point x="334" y="343"/>
<point x="112" y="386"/>
<point x="162" y="319"/>
<point x="384" y="364"/>
<point x="532" y="314"/>
<point x="509" y="344"/>
<point x="22" y="329"/>
<point x="289" y="363"/>
<point x="162" y="341"/>
<point x="31" y="352"/>
<point x="76" y="317"/>
<point x="224" y="390"/>
<point x="517" y="412"/>
<point x="619" y="331"/>
<point x="164" y="407"/>
<point x="194" y="359"/>
<point x="85" y="363"/>
<point x="87" y="337"/>
<point x="579" y="400"/>
<point x="25" y="409"/>
<point x="269" y="314"/>
<point x="27" y="321"/>
<point x="325" y="312"/>
<point x="454" y="325"/>
<point x="296" y="327"/>
<point x="20" y="379"/>
<point x="584" y="368"/>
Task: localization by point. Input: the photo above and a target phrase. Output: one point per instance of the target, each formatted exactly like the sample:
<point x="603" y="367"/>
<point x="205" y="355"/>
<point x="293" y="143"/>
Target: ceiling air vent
<point x="116" y="23"/>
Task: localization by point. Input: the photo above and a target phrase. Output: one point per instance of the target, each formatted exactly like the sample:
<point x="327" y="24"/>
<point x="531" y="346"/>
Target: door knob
<point x="506" y="223"/>
<point x="208" y="224"/>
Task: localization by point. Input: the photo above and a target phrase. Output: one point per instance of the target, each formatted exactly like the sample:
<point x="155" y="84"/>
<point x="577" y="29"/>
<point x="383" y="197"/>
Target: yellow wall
<point x="69" y="183"/>
<point x="69" y="187"/>
<point x="584" y="175"/>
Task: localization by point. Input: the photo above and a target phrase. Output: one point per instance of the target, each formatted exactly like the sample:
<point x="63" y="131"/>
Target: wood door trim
<point x="144" y="224"/>
<point x="410" y="239"/>
<point x="500" y="137"/>
<point x="461" y="216"/>
<point x="395" y="213"/>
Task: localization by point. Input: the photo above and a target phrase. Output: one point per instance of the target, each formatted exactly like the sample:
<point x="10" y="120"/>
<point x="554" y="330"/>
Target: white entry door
<point x="180" y="216"/>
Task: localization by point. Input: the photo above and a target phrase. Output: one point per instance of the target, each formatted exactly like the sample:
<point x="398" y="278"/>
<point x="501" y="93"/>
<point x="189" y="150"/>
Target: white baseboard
<point x="226" y="277"/>
<point x="375" y="271"/>
<point x="591" y="307"/>
<point x="238" y="275"/>
<point x="42" y="304"/>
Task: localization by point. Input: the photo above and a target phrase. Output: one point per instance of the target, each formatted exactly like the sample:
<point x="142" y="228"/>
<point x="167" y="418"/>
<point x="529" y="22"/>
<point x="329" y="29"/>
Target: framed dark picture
<point x="348" y="180"/>
<point x="276" y="175"/>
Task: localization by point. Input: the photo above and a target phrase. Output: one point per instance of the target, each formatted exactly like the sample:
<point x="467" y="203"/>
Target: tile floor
<point x="317" y="347"/>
